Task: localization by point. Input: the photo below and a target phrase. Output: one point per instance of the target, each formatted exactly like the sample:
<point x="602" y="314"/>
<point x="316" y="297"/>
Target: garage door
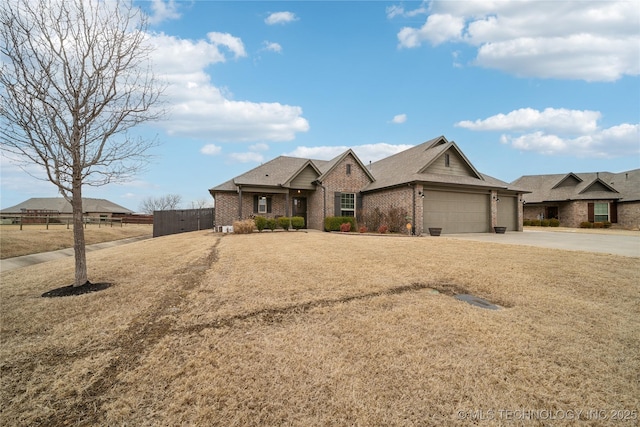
<point x="507" y="212"/>
<point x="456" y="212"/>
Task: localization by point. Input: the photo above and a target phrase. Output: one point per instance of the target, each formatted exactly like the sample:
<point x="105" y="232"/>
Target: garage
<point x="457" y="212"/>
<point x="508" y="212"/>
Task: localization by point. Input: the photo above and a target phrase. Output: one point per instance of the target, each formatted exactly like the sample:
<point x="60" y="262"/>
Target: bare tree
<point x="75" y="77"/>
<point x="160" y="203"/>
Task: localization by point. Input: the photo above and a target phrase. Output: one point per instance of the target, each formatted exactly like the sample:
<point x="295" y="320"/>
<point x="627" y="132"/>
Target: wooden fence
<point x="181" y="221"/>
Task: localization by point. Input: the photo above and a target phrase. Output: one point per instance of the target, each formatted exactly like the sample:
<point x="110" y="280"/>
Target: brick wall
<point x="398" y="197"/>
<point x="571" y="214"/>
<point x="226" y="210"/>
<point x="629" y="215"/>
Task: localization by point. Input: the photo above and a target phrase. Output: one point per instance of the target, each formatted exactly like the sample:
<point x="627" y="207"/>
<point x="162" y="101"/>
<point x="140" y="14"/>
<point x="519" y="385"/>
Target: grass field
<point x="35" y="238"/>
<point x="323" y="329"/>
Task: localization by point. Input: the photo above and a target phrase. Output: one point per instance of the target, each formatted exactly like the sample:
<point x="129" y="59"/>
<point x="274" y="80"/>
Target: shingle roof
<point x="624" y="186"/>
<point x="59" y="204"/>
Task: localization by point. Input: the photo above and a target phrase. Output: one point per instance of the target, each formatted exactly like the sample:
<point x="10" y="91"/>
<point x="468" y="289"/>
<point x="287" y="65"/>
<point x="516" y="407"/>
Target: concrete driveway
<point x="616" y="242"/>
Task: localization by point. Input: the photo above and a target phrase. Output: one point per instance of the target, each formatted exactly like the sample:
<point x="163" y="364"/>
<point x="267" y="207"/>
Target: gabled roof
<point x="332" y="164"/>
<point x="414" y="165"/>
<point x="59" y="204"/>
<point x="623" y="186"/>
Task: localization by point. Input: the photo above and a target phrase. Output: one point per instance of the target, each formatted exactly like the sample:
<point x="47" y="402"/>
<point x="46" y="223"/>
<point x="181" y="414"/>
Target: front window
<point x="262" y="205"/>
<point x="601" y="212"/>
<point x="348" y="204"/>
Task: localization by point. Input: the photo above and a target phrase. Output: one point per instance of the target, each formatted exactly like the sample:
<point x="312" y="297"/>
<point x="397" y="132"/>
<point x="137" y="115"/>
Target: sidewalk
<point x="27" y="260"/>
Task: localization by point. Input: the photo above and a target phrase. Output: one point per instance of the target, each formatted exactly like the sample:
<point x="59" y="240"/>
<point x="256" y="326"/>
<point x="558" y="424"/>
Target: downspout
<point x="239" y="202"/>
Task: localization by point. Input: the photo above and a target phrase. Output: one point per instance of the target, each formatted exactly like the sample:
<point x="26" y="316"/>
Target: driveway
<point x="616" y="242"/>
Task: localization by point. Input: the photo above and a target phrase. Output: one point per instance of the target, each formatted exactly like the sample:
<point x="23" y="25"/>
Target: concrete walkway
<point x="27" y="260"/>
<point x="625" y="243"/>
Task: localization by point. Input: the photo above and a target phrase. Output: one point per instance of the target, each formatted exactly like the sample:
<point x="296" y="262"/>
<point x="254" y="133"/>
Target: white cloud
<point x="199" y="109"/>
<point x="399" y="118"/>
<point x="561" y="132"/>
<point x="367" y="152"/>
<point x="211" y="149"/>
<point x="551" y="119"/>
<point x="259" y="147"/>
<point x="272" y="46"/>
<point x="280" y="18"/>
<point x="163" y="11"/>
<point x="591" y="41"/>
<point x="249" y="157"/>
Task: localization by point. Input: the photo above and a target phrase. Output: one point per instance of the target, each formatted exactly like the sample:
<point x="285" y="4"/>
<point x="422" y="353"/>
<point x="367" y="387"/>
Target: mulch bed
<point x="67" y="291"/>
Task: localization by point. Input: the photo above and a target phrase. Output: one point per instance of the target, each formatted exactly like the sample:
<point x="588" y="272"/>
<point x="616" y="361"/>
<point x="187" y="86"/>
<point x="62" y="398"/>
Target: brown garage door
<point x="457" y="212"/>
<point x="508" y="212"/>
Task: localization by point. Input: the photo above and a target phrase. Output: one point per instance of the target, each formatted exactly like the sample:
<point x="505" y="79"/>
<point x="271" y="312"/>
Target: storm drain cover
<point x="477" y="301"/>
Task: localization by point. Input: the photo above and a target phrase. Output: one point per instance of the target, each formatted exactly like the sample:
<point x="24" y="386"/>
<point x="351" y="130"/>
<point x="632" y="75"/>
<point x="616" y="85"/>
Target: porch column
<point x="286" y="205"/>
<point x="494" y="210"/>
<point x="239" y="203"/>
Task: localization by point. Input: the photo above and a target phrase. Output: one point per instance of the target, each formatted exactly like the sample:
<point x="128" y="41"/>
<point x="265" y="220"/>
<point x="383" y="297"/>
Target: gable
<point x="571" y="180"/>
<point x="305" y="178"/>
<point x="451" y="163"/>
<point x="598" y="185"/>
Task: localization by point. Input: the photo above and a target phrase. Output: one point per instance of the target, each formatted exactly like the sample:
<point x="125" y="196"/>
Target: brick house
<point x="430" y="185"/>
<point x="36" y="209"/>
<point x="574" y="198"/>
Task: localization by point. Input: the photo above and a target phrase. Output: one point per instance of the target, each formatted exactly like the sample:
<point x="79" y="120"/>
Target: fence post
<point x="20" y="222"/>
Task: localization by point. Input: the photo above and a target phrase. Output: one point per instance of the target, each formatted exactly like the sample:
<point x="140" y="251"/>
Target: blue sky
<point x="523" y="87"/>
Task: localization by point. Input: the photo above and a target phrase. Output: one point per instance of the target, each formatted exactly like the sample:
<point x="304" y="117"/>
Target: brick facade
<point x="572" y="213"/>
<point x="629" y="215"/>
<point x="399" y="197"/>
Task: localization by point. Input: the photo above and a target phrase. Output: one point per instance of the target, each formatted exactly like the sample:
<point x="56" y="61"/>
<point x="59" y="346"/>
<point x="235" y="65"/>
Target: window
<point x="601" y="212"/>
<point x="348" y="204"/>
<point x="262" y="205"/>
<point x="446" y="160"/>
<point x="348" y="168"/>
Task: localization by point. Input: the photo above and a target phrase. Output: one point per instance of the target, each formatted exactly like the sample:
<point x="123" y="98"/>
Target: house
<point x="39" y="207"/>
<point x="574" y="198"/>
<point x="430" y="185"/>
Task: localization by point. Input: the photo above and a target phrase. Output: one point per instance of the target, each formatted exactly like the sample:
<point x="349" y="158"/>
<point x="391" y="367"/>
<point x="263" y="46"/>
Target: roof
<point x="622" y="186"/>
<point x="409" y="166"/>
<point x="61" y="205"/>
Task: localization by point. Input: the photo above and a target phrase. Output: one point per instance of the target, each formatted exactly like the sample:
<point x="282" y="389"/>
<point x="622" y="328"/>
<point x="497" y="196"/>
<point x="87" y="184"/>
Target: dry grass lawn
<point x="36" y="238"/>
<point x="323" y="329"/>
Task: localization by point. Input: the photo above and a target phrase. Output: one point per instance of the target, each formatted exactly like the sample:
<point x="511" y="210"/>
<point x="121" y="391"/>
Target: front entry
<point x="299" y="208"/>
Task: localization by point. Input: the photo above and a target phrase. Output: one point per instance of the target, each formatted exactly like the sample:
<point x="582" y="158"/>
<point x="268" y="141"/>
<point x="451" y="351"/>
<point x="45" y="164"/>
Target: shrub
<point x="526" y="222"/>
<point x="272" y="224"/>
<point x="396" y="219"/>
<point x="261" y="223"/>
<point x="284" y="222"/>
<point x="297" y="222"/>
<point x="535" y="222"/>
<point x="243" y="227"/>
<point x="372" y="219"/>
<point x="333" y="223"/>
<point x="544" y="222"/>
<point x="383" y="229"/>
<point x="607" y="224"/>
<point x="554" y="222"/>
<point x="586" y="224"/>
<point x="345" y="227"/>
<point x="598" y="225"/>
<point x="363" y="229"/>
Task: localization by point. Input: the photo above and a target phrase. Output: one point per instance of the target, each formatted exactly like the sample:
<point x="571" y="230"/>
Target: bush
<point x="598" y="225"/>
<point x="607" y="224"/>
<point x="383" y="229"/>
<point x="345" y="227"/>
<point x="261" y="223"/>
<point x="271" y="224"/>
<point x="586" y="224"/>
<point x="535" y="223"/>
<point x="544" y="222"/>
<point x="526" y="222"/>
<point x="363" y="229"/>
<point x="333" y="223"/>
<point x="284" y="222"/>
<point x="554" y="222"/>
<point x="243" y="227"/>
<point x="297" y="222"/>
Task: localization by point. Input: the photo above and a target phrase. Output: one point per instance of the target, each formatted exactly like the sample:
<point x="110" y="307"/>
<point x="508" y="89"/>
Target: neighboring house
<point x="433" y="184"/>
<point x="59" y="207"/>
<point x="574" y="198"/>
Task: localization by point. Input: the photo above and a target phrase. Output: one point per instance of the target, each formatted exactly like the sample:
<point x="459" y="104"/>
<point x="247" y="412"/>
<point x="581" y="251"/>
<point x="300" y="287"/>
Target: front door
<point x="300" y="208"/>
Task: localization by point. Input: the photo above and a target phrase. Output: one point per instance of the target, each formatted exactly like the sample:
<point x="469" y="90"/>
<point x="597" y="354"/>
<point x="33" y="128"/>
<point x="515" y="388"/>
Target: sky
<point x="522" y="87"/>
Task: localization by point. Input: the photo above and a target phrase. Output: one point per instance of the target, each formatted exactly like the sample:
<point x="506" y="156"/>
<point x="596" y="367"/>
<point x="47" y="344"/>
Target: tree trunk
<point x="78" y="236"/>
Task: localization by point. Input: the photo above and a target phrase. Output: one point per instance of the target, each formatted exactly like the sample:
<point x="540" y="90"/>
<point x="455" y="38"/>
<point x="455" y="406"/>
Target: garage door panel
<point x="456" y="212"/>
